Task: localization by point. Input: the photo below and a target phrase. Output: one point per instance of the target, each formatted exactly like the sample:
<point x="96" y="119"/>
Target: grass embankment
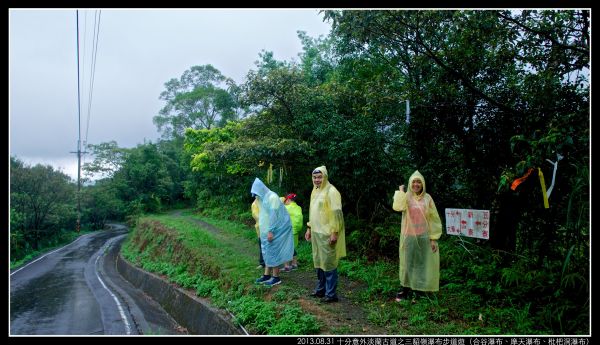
<point x="217" y="259"/>
<point x="61" y="240"/>
<point x="219" y="265"/>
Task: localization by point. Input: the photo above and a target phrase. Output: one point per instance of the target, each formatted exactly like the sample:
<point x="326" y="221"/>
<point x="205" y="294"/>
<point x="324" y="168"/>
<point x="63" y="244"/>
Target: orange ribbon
<point x="520" y="180"/>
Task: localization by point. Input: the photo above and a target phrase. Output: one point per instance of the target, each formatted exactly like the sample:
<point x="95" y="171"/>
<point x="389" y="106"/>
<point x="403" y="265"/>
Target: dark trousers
<point x="261" y="261"/>
<point x="327" y="282"/>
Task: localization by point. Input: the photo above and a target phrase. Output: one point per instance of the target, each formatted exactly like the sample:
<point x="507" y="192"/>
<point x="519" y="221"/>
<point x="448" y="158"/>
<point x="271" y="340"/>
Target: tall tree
<point x="42" y="198"/>
<point x="201" y="98"/>
<point x="476" y="79"/>
<point x="143" y="182"/>
<point x="100" y="204"/>
<point x="108" y="158"/>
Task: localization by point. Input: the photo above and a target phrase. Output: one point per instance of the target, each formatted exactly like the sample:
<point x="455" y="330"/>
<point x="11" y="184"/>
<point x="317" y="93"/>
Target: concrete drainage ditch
<point x="188" y="310"/>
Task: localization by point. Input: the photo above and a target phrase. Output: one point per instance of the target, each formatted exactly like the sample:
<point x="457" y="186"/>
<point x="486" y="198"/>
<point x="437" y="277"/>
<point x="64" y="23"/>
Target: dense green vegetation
<point x="217" y="263"/>
<point x="491" y="95"/>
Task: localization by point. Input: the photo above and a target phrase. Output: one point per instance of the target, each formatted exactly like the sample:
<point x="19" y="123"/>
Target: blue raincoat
<point x="273" y="217"/>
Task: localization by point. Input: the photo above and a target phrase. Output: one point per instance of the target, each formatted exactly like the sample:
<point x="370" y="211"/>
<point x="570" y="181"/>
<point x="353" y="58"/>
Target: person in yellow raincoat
<point x="297" y="218"/>
<point x="420" y="230"/>
<point x="326" y="232"/>
<point x="255" y="211"/>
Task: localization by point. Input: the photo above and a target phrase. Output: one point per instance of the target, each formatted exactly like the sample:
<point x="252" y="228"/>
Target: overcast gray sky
<point x="138" y="51"/>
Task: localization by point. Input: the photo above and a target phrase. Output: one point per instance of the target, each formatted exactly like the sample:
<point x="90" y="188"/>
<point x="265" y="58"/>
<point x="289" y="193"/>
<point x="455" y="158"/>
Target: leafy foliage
<point x="41" y="206"/>
<point x="472" y="99"/>
<point x="196" y="100"/>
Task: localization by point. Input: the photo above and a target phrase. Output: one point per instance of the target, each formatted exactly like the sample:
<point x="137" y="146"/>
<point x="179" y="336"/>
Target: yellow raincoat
<point x="419" y="265"/>
<point x="325" y="218"/>
<point x="255" y="211"/>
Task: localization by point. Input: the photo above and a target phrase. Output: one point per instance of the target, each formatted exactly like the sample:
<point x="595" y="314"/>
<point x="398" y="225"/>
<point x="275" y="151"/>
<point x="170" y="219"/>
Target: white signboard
<point x="470" y="223"/>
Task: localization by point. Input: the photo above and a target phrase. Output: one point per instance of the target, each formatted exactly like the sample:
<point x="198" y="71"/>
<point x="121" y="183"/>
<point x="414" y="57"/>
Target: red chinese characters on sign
<point x="466" y="222"/>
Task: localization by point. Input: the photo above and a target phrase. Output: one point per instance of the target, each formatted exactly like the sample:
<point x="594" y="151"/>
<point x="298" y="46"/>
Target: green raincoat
<point x="295" y="212"/>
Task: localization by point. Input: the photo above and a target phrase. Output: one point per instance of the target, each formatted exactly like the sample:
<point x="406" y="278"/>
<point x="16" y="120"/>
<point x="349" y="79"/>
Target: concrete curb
<point x="188" y="310"/>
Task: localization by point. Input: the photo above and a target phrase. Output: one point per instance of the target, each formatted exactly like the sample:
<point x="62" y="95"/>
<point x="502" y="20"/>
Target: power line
<point x="79" y="133"/>
<point x="93" y="68"/>
<point x="79" y="152"/>
<point x="89" y="105"/>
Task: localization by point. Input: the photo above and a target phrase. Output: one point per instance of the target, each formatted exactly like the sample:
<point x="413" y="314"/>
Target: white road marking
<point x="123" y="317"/>
<point x="54" y="251"/>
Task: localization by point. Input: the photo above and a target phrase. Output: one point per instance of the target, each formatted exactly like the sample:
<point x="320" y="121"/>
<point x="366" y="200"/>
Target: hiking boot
<point x="273" y="281"/>
<point x="329" y="299"/>
<point x="317" y="294"/>
<point x="403" y="295"/>
<point x="262" y="279"/>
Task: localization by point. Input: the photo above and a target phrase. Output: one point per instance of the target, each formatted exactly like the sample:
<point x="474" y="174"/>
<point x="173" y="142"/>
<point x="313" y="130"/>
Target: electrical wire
<point x="97" y="16"/>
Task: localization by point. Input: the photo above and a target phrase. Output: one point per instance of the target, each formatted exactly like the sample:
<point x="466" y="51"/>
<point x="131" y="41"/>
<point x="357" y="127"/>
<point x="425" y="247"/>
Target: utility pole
<point x="79" y="153"/>
<point x="79" y="133"/>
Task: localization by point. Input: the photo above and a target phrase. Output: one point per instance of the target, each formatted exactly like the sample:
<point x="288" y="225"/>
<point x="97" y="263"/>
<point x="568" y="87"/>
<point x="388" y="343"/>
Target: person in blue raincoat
<point x="275" y="229"/>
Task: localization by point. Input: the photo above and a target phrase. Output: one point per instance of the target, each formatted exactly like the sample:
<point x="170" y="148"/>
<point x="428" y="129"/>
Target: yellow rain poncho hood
<point x="325" y="218"/>
<point x="419" y="265"/>
<point x="416" y="176"/>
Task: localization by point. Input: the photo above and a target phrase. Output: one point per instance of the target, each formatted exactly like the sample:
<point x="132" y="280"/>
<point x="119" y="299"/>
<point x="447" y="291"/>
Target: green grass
<point x="58" y="242"/>
<point x="215" y="265"/>
<point x="477" y="296"/>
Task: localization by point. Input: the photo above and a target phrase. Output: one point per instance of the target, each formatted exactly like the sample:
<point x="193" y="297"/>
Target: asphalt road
<point x="76" y="290"/>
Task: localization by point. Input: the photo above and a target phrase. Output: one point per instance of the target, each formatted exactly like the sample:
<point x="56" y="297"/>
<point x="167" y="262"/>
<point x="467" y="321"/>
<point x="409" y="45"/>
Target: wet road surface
<point x="76" y="290"/>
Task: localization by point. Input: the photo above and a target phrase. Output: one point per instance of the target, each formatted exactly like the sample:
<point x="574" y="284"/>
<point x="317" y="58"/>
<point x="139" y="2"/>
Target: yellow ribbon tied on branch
<point x="543" y="184"/>
<point x="520" y="180"/>
<point x="270" y="173"/>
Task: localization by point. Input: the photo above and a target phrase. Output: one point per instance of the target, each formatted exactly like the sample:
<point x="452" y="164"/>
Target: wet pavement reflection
<point x="51" y="296"/>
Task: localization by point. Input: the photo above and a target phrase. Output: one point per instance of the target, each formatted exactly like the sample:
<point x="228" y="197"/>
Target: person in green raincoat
<point x="421" y="228"/>
<point x="297" y="218"/>
<point x="326" y="232"/>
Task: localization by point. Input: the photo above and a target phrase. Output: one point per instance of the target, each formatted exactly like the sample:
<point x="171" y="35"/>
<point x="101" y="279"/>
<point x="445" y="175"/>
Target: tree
<point x="526" y="71"/>
<point x="493" y="94"/>
<point x="144" y="178"/>
<point x="197" y="100"/>
<point x="100" y="204"/>
<point x="43" y="200"/>
<point x="108" y="158"/>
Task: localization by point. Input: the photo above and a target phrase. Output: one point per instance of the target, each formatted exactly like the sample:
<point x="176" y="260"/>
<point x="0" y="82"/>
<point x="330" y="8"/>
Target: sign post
<point x="466" y="222"/>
